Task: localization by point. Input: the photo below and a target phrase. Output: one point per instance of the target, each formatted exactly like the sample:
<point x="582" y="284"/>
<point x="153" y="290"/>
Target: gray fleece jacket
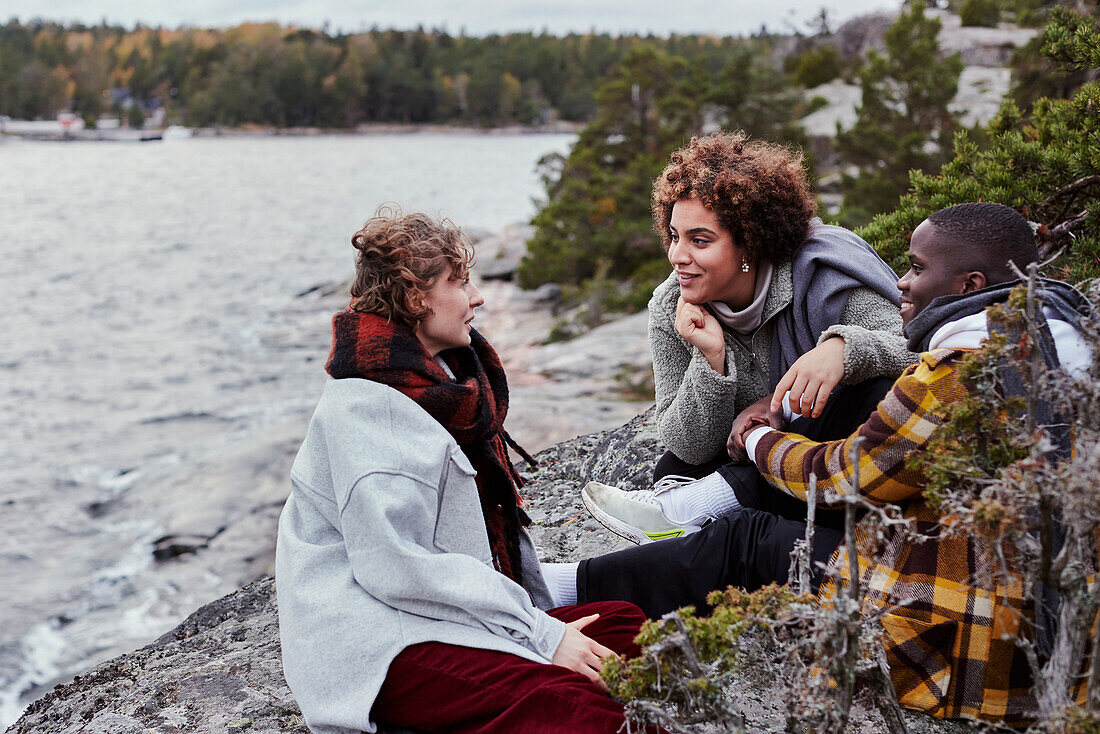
<point x="845" y="291"/>
<point x="382" y="545"/>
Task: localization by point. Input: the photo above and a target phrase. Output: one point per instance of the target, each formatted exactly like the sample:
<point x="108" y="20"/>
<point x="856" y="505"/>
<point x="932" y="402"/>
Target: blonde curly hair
<point x="400" y="256"/>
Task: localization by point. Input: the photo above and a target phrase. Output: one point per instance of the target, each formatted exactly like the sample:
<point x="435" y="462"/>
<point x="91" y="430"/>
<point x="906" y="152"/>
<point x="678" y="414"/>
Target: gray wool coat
<point x="836" y="285"/>
<point x="382" y="545"/>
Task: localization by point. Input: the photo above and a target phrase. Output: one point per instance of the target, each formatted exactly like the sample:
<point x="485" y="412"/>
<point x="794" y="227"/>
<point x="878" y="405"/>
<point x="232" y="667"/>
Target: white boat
<point x="177" y="132"/>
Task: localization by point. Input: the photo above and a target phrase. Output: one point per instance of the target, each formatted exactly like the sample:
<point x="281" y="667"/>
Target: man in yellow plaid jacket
<point x="946" y="645"/>
<point x="947" y="642"/>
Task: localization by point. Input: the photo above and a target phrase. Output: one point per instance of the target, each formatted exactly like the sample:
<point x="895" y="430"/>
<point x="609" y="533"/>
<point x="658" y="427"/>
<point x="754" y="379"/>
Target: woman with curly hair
<point x="764" y="298"/>
<point x="409" y="590"/>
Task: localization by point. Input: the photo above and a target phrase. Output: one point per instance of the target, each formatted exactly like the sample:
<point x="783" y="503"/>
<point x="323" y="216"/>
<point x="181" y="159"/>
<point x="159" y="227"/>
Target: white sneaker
<point x="636" y="516"/>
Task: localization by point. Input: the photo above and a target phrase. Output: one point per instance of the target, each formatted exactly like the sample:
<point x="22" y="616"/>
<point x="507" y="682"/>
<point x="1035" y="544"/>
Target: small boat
<point x="177" y="132"/>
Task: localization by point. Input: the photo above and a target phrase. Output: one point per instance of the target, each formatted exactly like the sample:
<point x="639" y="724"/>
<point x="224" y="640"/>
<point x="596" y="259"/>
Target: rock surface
<point x="220" y="669"/>
<point x="984" y="81"/>
<point x="499" y="255"/>
<point x="977" y="45"/>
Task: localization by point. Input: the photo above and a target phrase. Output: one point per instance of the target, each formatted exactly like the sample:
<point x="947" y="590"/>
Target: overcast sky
<point x="476" y="17"/>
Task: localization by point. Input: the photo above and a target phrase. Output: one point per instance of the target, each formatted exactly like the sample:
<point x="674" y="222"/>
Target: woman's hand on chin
<point x="702" y="330"/>
<point x="581" y="653"/>
<point x="811" y="379"/>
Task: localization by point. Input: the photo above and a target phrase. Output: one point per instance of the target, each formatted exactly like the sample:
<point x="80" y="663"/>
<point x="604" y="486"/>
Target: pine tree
<point x="596" y="219"/>
<point x="1045" y="164"/>
<point x="903" y="122"/>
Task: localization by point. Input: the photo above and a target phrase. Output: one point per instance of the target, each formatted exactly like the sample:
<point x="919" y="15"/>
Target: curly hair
<point x="401" y="255"/>
<point x="758" y="191"/>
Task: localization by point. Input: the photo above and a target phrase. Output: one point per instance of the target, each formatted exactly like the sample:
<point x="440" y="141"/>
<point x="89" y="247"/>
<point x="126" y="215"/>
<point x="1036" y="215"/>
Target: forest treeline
<point x="268" y="74"/>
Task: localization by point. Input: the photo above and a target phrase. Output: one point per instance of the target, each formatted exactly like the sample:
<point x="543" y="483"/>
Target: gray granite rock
<point x="985" y="79"/>
<point x="619" y="344"/>
<point x="624" y="457"/>
<point x="498" y="256"/>
<point x="864" y="33"/>
<point x="976" y="45"/>
<point x="218" y="671"/>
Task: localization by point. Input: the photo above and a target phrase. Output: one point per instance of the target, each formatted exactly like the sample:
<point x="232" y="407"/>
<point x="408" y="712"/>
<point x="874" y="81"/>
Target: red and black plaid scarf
<point x="472" y="409"/>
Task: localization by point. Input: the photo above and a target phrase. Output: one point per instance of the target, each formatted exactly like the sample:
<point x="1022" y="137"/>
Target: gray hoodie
<point x="382" y="545"/>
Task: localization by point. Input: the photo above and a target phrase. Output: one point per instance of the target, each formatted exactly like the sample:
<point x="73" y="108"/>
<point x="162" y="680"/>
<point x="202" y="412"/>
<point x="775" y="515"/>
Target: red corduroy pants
<point x="433" y="687"/>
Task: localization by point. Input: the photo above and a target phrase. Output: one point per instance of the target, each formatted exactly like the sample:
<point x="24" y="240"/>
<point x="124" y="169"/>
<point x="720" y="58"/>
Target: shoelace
<point x="645" y="495"/>
<point x="666" y="484"/>
<point x="669" y="482"/>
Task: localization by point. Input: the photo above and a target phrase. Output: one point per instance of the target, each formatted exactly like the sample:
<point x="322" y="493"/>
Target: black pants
<point x="748" y="549"/>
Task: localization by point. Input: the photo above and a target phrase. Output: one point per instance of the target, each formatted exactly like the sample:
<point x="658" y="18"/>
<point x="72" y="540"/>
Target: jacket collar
<point x="936" y="357"/>
<point x="781" y="293"/>
<point x="1065" y="302"/>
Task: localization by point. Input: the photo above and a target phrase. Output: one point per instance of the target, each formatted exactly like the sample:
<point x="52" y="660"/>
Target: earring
<point x="744" y="265"/>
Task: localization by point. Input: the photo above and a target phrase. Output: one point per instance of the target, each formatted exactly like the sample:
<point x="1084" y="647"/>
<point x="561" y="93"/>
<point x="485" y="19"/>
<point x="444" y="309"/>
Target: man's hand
<point x="811" y="379"/>
<point x="581" y="653"/>
<point x="702" y="330"/>
<point x="757" y="414"/>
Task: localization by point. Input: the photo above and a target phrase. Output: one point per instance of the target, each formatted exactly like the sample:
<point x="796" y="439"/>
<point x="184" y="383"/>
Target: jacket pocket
<point x="918" y="654"/>
<point x="460" y="525"/>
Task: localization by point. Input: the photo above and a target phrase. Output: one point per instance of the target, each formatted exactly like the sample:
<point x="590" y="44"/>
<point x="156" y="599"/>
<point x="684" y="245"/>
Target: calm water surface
<point x="148" y="300"/>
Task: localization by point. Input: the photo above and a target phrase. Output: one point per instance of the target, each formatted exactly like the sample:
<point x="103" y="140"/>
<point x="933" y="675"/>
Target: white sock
<point x="711" y="496"/>
<point x="561" y="579"/>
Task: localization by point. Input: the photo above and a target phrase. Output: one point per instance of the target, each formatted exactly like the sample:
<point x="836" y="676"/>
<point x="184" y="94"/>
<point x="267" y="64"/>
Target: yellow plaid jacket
<point x="947" y="618"/>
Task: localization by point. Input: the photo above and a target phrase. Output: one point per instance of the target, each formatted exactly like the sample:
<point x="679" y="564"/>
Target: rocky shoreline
<point x="191" y="510"/>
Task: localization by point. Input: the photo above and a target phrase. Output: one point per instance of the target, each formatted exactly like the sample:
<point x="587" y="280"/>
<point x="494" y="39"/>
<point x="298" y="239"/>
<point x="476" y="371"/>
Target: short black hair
<point x="992" y="235"/>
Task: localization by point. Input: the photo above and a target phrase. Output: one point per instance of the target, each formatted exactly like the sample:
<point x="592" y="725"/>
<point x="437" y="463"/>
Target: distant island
<point x="271" y="75"/>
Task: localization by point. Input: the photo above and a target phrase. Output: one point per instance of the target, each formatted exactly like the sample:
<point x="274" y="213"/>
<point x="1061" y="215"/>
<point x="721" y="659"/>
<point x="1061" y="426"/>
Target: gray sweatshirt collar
<point x="748" y="319"/>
